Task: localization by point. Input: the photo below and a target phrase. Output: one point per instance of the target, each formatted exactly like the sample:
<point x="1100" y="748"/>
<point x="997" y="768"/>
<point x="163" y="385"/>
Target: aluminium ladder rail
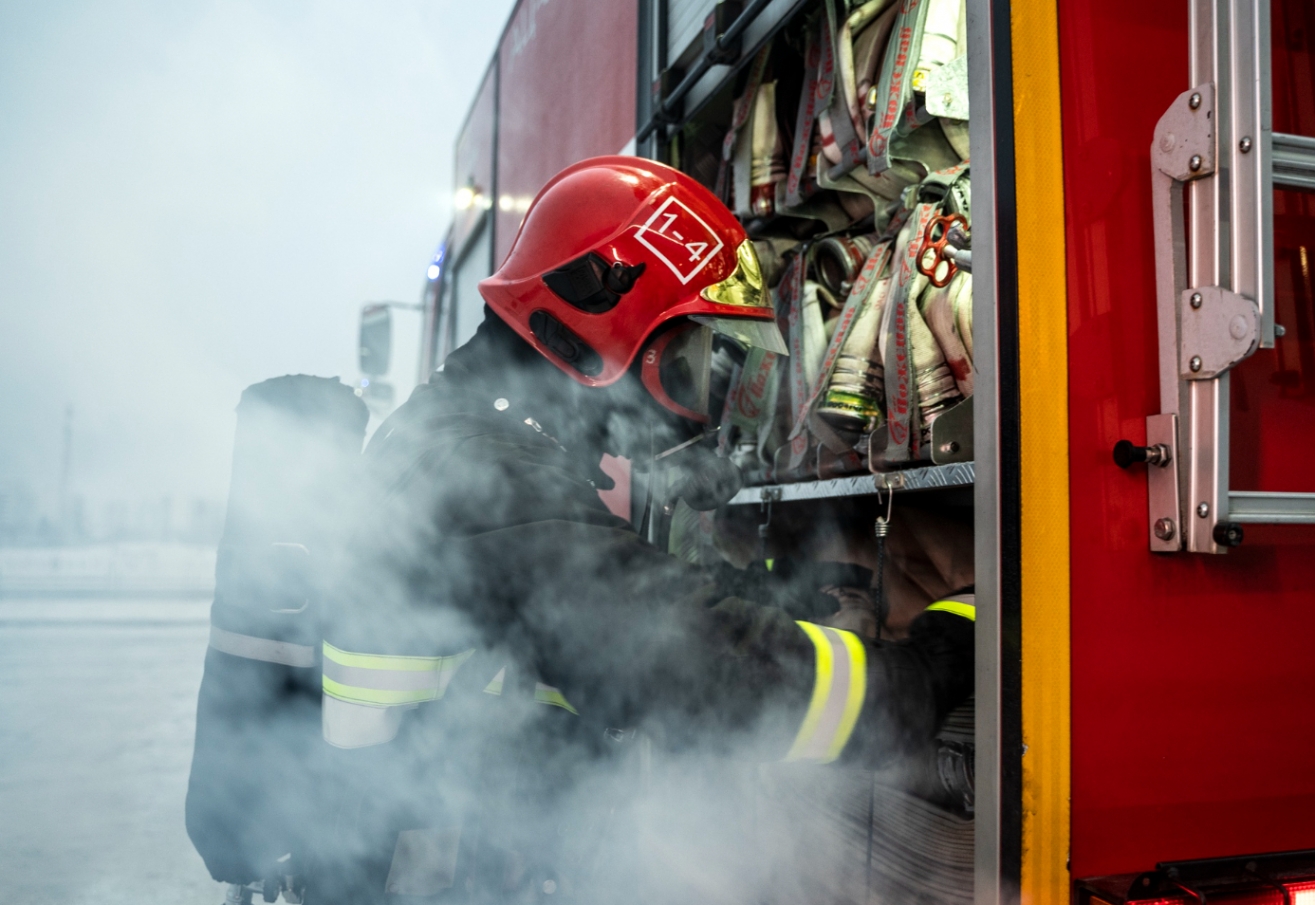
<point x="1216" y="158"/>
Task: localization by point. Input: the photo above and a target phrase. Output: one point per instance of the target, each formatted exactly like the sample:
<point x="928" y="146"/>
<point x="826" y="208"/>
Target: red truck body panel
<point x="566" y="92"/>
<point x="1192" y="675"/>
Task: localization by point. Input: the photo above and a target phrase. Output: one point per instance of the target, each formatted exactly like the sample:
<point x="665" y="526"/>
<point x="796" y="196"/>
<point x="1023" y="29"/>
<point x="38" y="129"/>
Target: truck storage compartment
<point x="841" y="142"/>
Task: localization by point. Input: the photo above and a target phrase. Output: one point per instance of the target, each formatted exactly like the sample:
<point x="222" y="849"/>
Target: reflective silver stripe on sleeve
<point x="266" y="650"/>
<point x="349" y="725"/>
<point x="388" y="679"/>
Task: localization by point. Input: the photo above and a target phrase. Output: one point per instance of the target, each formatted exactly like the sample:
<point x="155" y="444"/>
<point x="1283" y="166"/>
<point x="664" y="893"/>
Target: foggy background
<point x="195" y="197"/>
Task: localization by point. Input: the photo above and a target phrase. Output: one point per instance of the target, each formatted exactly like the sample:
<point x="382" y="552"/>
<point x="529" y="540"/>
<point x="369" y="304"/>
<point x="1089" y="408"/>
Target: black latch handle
<point x="1126" y="453"/>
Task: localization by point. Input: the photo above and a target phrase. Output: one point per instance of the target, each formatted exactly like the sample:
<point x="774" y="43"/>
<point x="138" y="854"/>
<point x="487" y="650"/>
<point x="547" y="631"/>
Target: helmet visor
<point x="759" y="333"/>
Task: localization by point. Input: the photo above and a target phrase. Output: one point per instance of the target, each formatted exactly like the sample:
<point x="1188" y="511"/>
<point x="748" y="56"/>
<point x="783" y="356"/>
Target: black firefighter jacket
<point x="490" y="610"/>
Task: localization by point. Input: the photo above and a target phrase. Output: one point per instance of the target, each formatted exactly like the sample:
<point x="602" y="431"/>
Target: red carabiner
<point x="933" y="262"/>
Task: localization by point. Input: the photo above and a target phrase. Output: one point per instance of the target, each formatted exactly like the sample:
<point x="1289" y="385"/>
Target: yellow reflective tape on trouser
<point x="385" y="679"/>
<point x="957" y="607"/>
<point x="546" y="694"/>
<point x="495" y="685"/>
<point x="839" y="684"/>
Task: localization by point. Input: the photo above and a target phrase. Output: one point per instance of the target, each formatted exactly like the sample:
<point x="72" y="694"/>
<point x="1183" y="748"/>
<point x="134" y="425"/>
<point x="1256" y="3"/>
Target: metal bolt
<point x="1245" y="144"/>
<point x="1195" y="363"/>
<point x="501" y="404"/>
<point x="1195" y="163"/>
<point x="1202" y="510"/>
<point x="951" y="447"/>
<point x="1165" y="529"/>
<point x="1280" y="330"/>
<point x="1196" y="300"/>
<point x="1195" y="100"/>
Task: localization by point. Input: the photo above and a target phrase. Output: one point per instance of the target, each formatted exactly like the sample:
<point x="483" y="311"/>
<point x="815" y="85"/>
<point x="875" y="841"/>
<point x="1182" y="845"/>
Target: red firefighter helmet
<point x="619" y="253"/>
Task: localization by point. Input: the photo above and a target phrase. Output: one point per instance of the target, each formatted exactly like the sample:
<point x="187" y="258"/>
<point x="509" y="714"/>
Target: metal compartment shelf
<point x="931" y="477"/>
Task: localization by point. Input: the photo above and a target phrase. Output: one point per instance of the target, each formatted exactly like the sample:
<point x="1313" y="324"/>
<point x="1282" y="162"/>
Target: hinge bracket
<point x="1217" y="329"/>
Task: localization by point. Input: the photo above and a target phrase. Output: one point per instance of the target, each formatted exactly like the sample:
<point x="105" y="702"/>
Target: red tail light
<point x="1281" y="878"/>
<point x="1302" y="893"/>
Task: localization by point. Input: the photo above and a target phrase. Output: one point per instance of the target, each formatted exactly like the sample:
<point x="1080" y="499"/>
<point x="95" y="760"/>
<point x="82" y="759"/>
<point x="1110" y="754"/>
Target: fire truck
<point x="1095" y="219"/>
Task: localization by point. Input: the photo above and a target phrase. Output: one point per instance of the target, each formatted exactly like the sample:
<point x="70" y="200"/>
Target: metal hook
<point x="881" y="529"/>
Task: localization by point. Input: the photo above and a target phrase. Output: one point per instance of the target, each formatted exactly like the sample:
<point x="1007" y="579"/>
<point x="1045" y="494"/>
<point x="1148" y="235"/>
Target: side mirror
<point x="376" y="346"/>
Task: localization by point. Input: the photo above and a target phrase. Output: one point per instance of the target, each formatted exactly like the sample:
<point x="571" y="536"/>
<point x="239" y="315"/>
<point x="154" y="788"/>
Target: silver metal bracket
<point x="1214" y="164"/>
<point x="1184" y="146"/>
<point x="1217" y="329"/>
<point x="1162" y="485"/>
<point x="1182" y="153"/>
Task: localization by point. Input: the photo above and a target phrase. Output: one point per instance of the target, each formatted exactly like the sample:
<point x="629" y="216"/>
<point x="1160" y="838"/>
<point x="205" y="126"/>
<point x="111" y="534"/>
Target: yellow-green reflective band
<point x="839" y="685"/>
<point x="495" y="686"/>
<point x="957" y="607"/>
<point x="386" y="661"/>
<point x="546" y="694"/>
<point x="385" y="679"/>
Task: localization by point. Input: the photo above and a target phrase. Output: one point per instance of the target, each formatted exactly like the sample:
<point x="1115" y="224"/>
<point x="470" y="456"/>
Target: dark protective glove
<point x="912" y="685"/>
<point x="795" y="586"/>
<point x="703" y="479"/>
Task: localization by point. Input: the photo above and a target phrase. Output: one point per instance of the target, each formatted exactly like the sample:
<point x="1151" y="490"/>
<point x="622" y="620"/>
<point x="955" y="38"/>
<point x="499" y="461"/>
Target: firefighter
<point x="496" y="627"/>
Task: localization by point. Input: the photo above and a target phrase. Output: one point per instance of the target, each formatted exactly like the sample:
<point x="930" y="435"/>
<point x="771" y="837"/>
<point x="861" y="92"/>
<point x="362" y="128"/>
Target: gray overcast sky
<point x="195" y="196"/>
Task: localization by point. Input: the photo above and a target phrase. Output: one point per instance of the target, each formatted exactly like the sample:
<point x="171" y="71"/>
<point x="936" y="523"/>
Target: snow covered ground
<point x="97" y="697"/>
<point x="125" y="569"/>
